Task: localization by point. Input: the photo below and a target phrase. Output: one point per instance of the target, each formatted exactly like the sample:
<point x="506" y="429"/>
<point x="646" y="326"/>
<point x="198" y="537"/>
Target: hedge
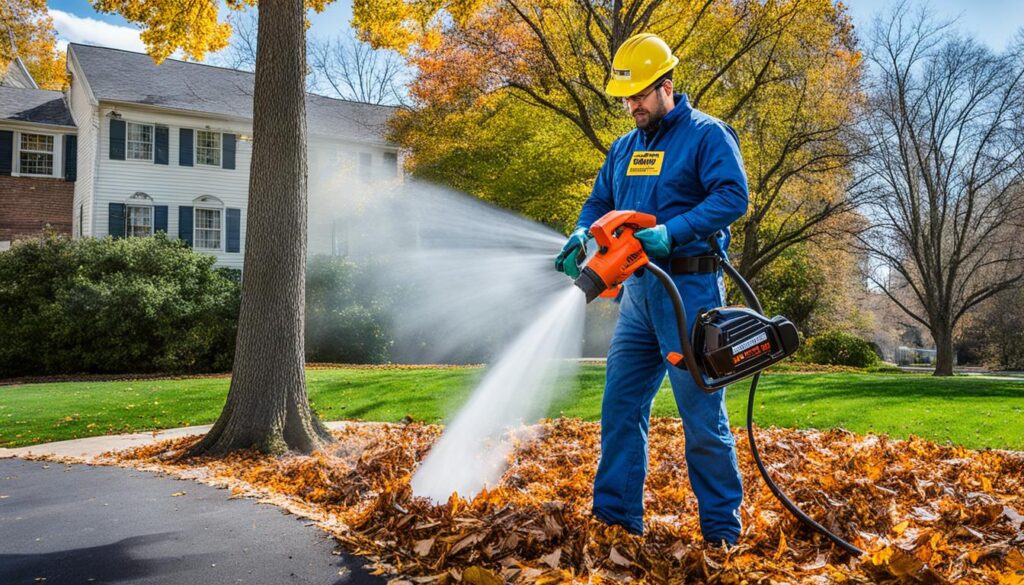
<point x="838" y="348"/>
<point x="346" y="315"/>
<point x="114" y="305"/>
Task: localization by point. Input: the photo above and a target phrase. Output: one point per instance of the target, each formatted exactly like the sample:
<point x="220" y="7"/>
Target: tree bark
<point x="943" y="351"/>
<point x="267" y="407"/>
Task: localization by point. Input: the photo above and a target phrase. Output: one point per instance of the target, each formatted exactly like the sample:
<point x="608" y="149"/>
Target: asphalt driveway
<point x="88" y="524"/>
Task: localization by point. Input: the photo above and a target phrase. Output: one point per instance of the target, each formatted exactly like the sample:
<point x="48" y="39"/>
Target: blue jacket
<point x="689" y="175"/>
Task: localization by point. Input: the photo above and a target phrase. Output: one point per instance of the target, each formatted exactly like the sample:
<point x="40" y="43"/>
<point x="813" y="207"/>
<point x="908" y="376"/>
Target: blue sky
<point x="993" y="21"/>
<point x="76" y="21"/>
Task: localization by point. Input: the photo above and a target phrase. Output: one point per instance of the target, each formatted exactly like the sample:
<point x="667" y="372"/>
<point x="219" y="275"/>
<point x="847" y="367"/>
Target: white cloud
<point x="92" y="31"/>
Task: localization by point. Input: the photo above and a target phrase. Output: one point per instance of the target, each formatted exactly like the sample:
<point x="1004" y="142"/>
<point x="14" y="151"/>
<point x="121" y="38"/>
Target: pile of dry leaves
<point x="927" y="513"/>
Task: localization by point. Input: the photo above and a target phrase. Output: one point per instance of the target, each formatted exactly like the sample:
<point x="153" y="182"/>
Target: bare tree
<point x="944" y="173"/>
<point x="350" y="69"/>
<point x="241" y="53"/>
<point x="342" y="67"/>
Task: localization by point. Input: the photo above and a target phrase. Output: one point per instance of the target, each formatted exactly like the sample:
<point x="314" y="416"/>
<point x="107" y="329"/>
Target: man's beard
<point x="653" y="117"/>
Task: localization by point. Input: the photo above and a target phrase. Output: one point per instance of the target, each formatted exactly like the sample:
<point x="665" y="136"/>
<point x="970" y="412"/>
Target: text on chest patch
<point x="645" y="163"/>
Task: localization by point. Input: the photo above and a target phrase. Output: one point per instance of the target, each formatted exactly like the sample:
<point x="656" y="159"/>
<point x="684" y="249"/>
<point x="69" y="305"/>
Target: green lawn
<point x="971" y="411"/>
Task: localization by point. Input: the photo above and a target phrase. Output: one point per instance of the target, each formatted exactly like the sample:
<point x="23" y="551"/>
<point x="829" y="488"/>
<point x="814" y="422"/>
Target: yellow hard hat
<point x="639" y="62"/>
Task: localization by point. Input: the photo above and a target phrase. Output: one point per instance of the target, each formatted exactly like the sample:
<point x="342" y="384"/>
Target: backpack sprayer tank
<point x="727" y="344"/>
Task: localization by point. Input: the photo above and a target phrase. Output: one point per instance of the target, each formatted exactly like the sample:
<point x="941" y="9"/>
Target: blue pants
<point x="645" y="333"/>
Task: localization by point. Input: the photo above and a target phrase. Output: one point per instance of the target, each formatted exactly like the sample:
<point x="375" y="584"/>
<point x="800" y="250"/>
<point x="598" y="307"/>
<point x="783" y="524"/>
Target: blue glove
<point x="573" y="252"/>
<point x="656" y="241"/>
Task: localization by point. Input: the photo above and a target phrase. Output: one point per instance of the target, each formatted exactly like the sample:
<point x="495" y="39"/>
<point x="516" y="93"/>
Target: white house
<point x="167" y="148"/>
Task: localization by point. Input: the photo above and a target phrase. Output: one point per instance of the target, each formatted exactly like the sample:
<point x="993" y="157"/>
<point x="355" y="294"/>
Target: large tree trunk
<point x="267" y="407"/>
<point x="943" y="350"/>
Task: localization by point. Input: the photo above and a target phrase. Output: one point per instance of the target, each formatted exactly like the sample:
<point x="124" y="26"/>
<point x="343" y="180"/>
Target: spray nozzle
<point x="618" y="255"/>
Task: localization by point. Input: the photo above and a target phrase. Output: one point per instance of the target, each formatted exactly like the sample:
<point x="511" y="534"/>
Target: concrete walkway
<point x="88" y="449"/>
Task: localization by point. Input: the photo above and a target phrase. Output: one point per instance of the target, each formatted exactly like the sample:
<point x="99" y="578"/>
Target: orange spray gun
<point x="619" y="253"/>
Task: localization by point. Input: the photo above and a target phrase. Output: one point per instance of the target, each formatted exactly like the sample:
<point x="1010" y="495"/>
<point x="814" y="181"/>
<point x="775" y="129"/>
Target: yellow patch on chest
<point x="645" y="163"/>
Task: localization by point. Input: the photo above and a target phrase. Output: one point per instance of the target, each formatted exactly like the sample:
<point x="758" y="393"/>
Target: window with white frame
<point x="208" y="148"/>
<point x="36" y="154"/>
<point x="208" y="228"/>
<point x="138" y="221"/>
<point x="138" y="216"/>
<point x="139" y="141"/>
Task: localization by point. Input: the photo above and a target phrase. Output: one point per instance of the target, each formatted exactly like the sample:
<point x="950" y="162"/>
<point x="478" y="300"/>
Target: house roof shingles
<point x="124" y="76"/>
<point x="36" y="106"/>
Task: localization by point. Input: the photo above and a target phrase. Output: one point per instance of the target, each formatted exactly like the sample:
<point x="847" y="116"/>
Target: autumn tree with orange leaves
<point x="267" y="406"/>
<point x="26" y="31"/>
<point x="510" y="101"/>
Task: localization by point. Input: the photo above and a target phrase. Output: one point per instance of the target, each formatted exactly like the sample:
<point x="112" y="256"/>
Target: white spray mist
<point x="482" y="283"/>
<point x="516" y="390"/>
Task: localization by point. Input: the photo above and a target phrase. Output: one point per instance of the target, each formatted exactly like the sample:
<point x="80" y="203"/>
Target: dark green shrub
<point x="839" y="348"/>
<point x="346" y="317"/>
<point x="125" y="305"/>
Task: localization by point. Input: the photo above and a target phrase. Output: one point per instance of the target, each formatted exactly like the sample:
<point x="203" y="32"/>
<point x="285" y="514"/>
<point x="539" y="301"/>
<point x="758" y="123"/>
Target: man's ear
<point x="667" y="86"/>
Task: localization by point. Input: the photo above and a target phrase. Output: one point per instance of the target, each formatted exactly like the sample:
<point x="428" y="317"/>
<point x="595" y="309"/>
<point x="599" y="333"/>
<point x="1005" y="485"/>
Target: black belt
<point x="695" y="264"/>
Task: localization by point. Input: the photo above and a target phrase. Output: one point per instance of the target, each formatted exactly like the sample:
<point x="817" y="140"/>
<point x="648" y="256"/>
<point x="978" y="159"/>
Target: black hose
<point x="680" y="310"/>
<point x="691" y="365"/>
<point x="786" y="502"/>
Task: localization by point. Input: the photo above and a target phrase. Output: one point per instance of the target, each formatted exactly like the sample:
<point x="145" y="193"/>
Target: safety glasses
<point x="640" y="97"/>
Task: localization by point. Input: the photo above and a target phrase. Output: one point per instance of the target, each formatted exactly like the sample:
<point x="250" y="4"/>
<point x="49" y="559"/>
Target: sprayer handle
<point x="604" y="228"/>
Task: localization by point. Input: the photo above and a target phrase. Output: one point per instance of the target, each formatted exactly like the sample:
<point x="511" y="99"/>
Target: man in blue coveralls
<point x="684" y="167"/>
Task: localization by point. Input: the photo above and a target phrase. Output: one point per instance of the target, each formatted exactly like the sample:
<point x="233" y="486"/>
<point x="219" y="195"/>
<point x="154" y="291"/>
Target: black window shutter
<point x="117" y="130"/>
<point x="185" y="147"/>
<point x="160" y="152"/>
<point x="228" y="154"/>
<point x="234" y="225"/>
<point x="6" y="151"/>
<point x="160" y="218"/>
<point x="185" y="224"/>
<point x="70" y="157"/>
<point x="115" y="220"/>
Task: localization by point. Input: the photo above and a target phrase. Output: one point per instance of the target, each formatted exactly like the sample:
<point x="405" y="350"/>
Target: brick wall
<point x="27" y="205"/>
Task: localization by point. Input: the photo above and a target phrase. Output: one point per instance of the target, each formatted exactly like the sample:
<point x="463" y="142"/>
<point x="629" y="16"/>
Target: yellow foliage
<point x="785" y="74"/>
<point x="169" y="25"/>
<point x="29" y="26"/>
<point x="194" y="28"/>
